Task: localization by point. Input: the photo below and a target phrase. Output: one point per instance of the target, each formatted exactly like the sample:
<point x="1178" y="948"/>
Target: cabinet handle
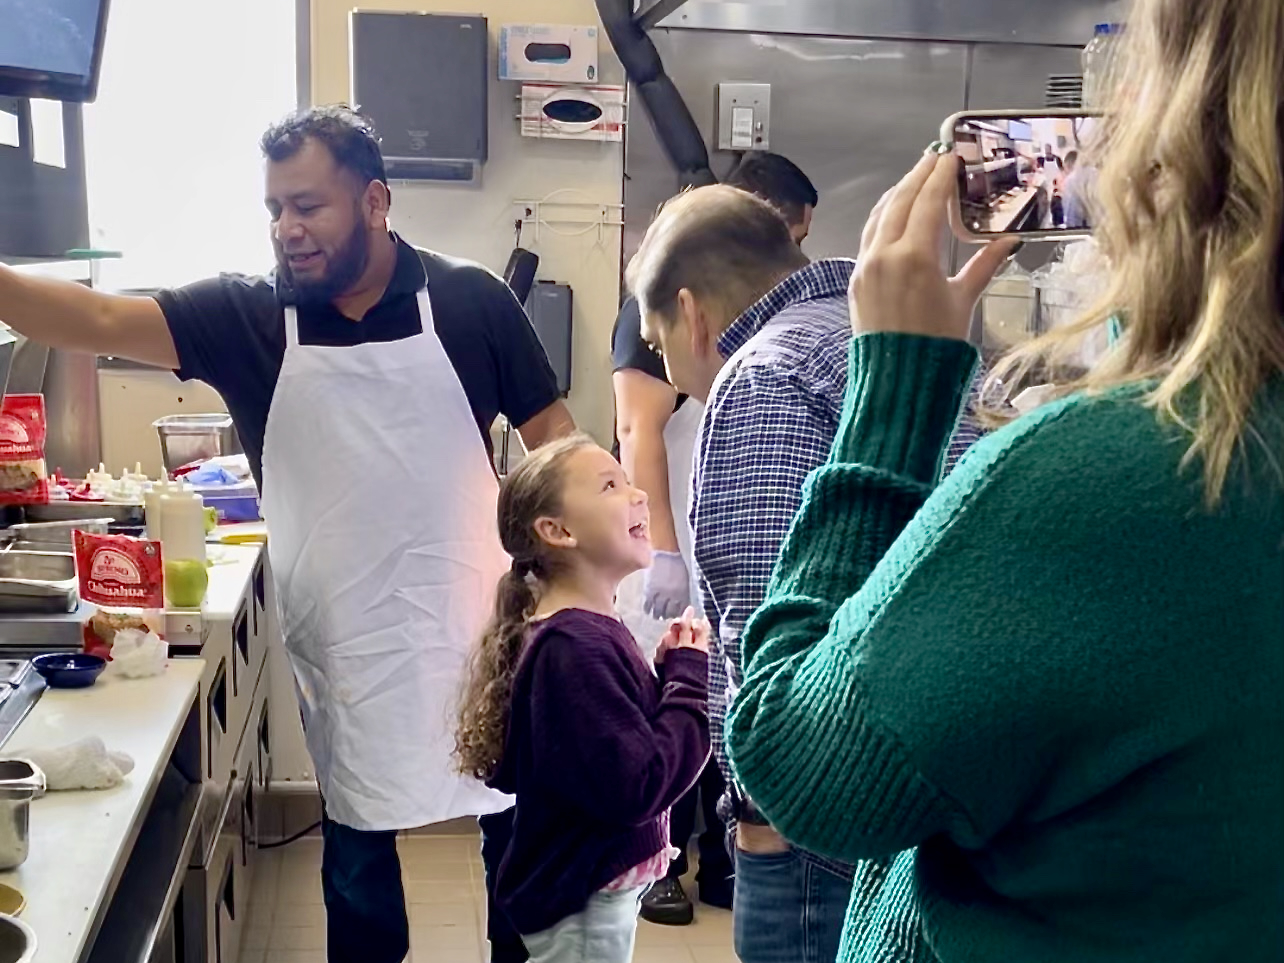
<point x="229" y="888"/>
<point x="241" y="635"/>
<point x="216" y="710"/>
<point x="265" y="732"/>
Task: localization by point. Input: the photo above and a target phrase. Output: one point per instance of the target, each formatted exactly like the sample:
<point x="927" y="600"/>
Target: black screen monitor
<point x="51" y="49"/>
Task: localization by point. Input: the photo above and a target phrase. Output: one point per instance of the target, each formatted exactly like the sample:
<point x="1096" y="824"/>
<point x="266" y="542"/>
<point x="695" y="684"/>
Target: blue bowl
<point x="70" y="670"/>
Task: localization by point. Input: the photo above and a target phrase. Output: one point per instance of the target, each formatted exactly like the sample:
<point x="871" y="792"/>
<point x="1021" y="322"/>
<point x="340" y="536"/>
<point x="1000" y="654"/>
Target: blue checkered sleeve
<point x="969" y="430"/>
<point x="762" y="437"/>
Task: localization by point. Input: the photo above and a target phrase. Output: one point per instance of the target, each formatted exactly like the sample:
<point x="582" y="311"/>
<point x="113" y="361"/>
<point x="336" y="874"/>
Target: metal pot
<point x="20" y="782"/>
<point x="17" y="941"/>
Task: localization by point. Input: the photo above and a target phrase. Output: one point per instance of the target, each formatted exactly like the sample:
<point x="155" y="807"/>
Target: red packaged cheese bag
<point x="23" y="478"/>
<point x="124" y="577"/>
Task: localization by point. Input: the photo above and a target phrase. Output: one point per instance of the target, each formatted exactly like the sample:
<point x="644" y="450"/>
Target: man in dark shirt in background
<point x="362" y="378"/>
<point x="656" y="429"/>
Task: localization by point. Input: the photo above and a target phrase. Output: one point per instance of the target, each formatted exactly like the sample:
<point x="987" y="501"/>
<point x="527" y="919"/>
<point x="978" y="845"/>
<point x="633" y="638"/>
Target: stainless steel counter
<point x="33" y="634"/>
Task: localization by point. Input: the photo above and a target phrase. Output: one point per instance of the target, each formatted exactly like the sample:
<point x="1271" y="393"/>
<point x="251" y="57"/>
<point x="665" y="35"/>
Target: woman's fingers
<point x="891" y="226"/>
<point x="871" y="224"/>
<point x="930" y="214"/>
<point x="979" y="271"/>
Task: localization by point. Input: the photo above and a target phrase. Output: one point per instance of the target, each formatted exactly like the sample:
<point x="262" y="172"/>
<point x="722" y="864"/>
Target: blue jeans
<point x="604" y="931"/>
<point x="365" y="906"/>
<point x="787" y="909"/>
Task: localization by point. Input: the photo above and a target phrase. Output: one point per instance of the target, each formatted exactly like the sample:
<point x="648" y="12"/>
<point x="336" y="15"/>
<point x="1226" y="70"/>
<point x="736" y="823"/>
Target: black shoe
<point x="719" y="895"/>
<point x="667" y="904"/>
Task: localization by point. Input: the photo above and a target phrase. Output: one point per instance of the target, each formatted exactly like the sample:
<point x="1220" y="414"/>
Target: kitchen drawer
<point x="211" y="926"/>
<point x="216" y="895"/>
<point x="218" y="738"/>
<point x="247" y="842"/>
<point x="259" y="631"/>
<point x="245" y="664"/>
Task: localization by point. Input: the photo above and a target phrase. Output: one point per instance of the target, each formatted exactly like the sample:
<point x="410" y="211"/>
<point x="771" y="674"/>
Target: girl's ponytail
<point x="483" y="714"/>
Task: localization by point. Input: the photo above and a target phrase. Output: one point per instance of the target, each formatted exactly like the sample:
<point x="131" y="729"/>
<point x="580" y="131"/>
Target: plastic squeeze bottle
<point x="183" y="548"/>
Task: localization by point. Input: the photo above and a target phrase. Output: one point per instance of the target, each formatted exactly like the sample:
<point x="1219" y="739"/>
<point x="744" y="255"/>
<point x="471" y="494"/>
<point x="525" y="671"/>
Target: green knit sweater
<point x="1058" y="675"/>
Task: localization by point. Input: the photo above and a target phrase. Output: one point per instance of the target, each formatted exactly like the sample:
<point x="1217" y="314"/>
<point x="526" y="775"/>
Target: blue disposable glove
<point x="667" y="590"/>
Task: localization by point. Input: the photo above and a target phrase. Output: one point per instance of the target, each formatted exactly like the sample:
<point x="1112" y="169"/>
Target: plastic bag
<point x="24" y="479"/>
<point x="1066" y="288"/>
<point x="124" y="577"/>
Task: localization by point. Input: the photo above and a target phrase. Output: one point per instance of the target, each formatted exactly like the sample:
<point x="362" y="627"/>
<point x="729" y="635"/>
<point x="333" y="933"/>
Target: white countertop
<point x="81" y="840"/>
<point x="230" y="568"/>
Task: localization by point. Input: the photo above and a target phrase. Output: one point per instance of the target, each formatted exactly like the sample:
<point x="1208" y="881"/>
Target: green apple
<point x="185" y="583"/>
<point x="211" y="519"/>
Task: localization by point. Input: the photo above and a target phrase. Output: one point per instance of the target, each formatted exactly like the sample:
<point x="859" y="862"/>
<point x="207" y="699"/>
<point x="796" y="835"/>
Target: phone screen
<point x="1026" y="174"/>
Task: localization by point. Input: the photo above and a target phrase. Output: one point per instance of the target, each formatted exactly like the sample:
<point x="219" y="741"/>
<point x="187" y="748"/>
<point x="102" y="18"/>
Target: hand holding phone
<point x="899" y="286"/>
<point x="1023" y="174"/>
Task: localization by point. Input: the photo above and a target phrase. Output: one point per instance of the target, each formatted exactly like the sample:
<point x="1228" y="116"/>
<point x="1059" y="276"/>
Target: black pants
<point x="715" y="862"/>
<point x="365" y="905"/>
<point x="506" y="945"/>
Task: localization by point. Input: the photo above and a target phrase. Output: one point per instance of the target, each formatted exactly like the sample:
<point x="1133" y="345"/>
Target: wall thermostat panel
<point x="744" y="116"/>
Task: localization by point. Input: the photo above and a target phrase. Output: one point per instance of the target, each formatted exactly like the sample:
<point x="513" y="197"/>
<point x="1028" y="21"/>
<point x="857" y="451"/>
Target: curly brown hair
<point x="531" y="492"/>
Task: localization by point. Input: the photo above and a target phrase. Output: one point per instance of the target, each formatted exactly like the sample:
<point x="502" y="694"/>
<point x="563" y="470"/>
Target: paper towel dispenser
<point x="422" y="79"/>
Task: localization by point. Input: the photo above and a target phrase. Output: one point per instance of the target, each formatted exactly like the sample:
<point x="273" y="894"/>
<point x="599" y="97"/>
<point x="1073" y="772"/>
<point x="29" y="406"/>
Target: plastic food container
<point x="238" y="504"/>
<point x="20" y="782"/>
<point x="188" y="438"/>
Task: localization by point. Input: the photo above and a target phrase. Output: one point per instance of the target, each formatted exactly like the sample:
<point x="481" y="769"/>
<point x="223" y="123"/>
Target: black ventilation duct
<point x="677" y="130"/>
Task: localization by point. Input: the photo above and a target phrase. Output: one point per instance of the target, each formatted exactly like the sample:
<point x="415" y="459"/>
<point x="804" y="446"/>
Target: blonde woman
<point x="1060" y="674"/>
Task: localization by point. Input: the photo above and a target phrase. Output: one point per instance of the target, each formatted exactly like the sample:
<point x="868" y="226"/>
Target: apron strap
<point x="291" y="327"/>
<point x="425" y="310"/>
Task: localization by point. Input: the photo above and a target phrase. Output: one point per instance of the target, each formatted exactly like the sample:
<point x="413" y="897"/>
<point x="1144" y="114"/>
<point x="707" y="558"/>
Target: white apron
<point x="380" y="505"/>
<point x="679" y="447"/>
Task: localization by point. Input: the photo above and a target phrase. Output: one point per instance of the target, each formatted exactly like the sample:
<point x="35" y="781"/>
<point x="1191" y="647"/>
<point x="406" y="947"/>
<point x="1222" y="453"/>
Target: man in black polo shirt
<point x="363" y="378"/>
<point x="656" y="429"/>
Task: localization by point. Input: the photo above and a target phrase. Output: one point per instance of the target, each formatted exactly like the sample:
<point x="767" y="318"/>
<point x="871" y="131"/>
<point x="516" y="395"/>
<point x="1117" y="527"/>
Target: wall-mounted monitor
<point x="51" y="49"/>
<point x="1020" y="130"/>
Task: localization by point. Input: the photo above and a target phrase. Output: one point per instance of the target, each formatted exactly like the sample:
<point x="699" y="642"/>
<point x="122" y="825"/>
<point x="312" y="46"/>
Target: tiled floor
<point x="443" y="878"/>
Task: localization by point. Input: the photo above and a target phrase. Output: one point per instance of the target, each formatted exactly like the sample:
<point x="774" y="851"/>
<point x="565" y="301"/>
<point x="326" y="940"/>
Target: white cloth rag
<point x="136" y="654"/>
<point x="86" y="764"/>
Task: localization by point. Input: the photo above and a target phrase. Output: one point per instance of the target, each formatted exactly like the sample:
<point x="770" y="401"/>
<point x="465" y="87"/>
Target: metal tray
<point x="38" y="582"/>
<point x="69" y="510"/>
<point x="56" y="536"/>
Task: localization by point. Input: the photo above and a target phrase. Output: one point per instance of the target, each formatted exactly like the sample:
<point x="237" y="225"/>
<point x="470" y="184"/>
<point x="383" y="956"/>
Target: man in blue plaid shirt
<point x="746" y="323"/>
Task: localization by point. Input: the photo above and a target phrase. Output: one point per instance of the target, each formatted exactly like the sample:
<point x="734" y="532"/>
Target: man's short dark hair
<point x="347" y="135"/>
<point x="1072" y="158"/>
<point x="778" y="181"/>
<point x="718" y="242"/>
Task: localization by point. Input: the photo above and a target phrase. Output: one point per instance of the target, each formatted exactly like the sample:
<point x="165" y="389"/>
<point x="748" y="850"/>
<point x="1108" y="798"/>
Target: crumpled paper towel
<point x="136" y="654"/>
<point x="86" y="764"/>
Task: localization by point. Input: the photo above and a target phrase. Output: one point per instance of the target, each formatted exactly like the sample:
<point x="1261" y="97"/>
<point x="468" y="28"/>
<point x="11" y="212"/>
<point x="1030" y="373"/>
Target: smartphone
<point x="1023" y="173"/>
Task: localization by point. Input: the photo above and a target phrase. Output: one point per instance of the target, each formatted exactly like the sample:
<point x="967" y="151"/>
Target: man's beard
<point x="342" y="270"/>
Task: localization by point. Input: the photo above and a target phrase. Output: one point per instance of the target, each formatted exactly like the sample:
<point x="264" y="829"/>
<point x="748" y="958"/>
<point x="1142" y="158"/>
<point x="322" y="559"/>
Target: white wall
<point x="477" y="222"/>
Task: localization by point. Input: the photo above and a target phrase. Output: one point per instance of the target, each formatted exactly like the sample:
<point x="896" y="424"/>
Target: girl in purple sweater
<point x="562" y="710"/>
